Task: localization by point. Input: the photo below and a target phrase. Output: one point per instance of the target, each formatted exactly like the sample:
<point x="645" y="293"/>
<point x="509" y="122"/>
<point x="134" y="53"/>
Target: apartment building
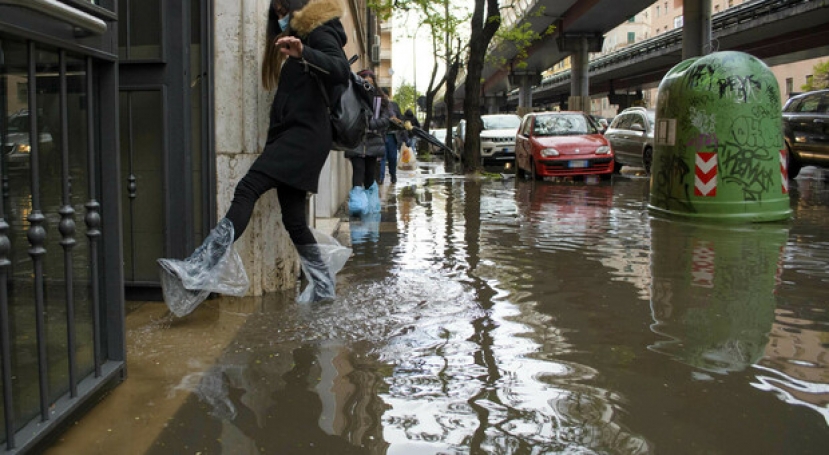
<point x="665" y="15"/>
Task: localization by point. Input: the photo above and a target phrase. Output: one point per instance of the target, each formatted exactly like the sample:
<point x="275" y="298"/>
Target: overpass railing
<point x="672" y="40"/>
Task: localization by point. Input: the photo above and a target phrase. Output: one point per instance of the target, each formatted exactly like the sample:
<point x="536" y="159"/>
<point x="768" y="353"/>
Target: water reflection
<point x="518" y="317"/>
<point x="714" y="291"/>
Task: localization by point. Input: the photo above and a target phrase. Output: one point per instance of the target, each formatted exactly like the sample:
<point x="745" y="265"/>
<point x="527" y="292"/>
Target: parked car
<point x="550" y="144"/>
<point x="601" y="121"/>
<point x="497" y="137"/>
<point x="806" y="130"/>
<point x="17" y="149"/>
<point x="440" y="134"/>
<point x="631" y="137"/>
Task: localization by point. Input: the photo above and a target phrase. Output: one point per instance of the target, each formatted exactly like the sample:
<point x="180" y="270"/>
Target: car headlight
<point x="22" y="148"/>
<point x="603" y="150"/>
<point x="546" y="153"/>
<point x="800" y="138"/>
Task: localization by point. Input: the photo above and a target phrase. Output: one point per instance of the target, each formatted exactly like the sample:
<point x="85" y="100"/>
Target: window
<point x="716" y="9"/>
<point x="730" y="3"/>
<point x="657" y="10"/>
<point x="809" y="79"/>
<point x="632" y="19"/>
<point x="789" y="85"/>
<point x="809" y="104"/>
<point x="678" y="22"/>
<point x="622" y="122"/>
<point x="631" y="37"/>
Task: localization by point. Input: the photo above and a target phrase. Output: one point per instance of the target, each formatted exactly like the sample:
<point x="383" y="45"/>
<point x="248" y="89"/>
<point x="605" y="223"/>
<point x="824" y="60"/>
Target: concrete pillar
<point x="579" y="45"/>
<point x="579" y="79"/>
<point x="492" y="104"/>
<point x="525" y="80"/>
<point x="696" y="28"/>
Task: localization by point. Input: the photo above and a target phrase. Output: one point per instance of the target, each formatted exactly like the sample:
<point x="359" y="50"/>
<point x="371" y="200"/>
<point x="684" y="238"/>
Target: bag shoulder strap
<point x="310" y="66"/>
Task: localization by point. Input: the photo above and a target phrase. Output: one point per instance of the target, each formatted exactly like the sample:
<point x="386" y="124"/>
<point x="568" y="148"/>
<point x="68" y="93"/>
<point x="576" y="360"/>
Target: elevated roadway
<point x="572" y="18"/>
<point x="776" y="31"/>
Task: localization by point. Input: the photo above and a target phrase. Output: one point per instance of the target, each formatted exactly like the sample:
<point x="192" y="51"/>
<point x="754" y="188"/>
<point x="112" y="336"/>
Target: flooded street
<point x="495" y="316"/>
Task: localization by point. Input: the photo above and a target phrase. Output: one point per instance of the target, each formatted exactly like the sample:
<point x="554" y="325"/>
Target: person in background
<point x="412" y="119"/>
<point x="300" y="34"/>
<point x="364" y="196"/>
<point x="393" y="140"/>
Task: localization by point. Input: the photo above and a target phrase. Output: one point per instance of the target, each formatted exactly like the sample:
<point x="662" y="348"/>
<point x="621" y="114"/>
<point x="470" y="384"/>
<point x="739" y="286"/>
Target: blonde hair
<point x="272" y="62"/>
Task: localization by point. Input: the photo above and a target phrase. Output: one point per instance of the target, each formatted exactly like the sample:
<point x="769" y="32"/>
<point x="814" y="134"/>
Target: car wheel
<point x="647" y="160"/>
<point x="794" y="165"/>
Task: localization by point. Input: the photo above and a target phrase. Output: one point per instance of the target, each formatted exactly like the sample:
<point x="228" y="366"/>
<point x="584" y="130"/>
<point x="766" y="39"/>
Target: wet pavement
<point x="495" y="316"/>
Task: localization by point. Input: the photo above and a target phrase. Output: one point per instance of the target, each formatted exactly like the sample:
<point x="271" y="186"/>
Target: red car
<point x="556" y="144"/>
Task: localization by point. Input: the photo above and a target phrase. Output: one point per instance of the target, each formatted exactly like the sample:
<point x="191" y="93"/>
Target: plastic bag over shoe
<point x="320" y="264"/>
<point x="214" y="267"/>
<point x="357" y="201"/>
<point x="373" y="199"/>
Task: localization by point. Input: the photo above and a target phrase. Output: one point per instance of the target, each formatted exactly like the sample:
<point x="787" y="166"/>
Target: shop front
<point x="61" y="274"/>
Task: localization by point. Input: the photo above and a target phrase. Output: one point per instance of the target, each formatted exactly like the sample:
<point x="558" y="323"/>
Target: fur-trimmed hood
<point x="314" y="14"/>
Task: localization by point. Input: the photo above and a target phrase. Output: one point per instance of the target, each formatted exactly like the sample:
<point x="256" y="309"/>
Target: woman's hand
<point x="290" y="46"/>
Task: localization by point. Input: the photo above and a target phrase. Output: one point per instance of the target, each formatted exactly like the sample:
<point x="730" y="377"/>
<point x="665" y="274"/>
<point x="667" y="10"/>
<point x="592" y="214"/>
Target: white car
<point x="440" y="134"/>
<point x="497" y="137"/>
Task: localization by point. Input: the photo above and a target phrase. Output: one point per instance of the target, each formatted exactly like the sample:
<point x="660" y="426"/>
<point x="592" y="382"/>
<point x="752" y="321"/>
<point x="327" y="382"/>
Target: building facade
<point x="124" y="128"/>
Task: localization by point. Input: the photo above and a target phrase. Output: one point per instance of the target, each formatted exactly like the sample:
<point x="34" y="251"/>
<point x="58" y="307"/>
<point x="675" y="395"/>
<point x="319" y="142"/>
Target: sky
<point x="408" y="54"/>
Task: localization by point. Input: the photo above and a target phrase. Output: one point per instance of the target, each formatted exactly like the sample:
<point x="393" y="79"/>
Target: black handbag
<point x="351" y="110"/>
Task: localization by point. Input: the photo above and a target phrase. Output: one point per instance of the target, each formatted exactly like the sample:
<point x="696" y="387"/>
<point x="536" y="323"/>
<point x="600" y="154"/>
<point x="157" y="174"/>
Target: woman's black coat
<point x="375" y="143"/>
<point x="299" y="136"/>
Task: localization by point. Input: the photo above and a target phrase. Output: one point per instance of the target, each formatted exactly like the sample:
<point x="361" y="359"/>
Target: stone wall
<point x="241" y="112"/>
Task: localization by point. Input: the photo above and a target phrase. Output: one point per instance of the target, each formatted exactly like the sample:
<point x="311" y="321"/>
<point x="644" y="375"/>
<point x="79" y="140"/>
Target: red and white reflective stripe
<point x="784" y="171"/>
<point x="705" y="178"/>
<point x="702" y="264"/>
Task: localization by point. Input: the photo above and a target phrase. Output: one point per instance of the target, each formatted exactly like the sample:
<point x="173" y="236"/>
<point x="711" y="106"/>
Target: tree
<point x="484" y="25"/>
<point x="449" y="97"/>
<point x="443" y="24"/>
<point x="405" y="96"/>
<point x="520" y="37"/>
<point x="820" y="78"/>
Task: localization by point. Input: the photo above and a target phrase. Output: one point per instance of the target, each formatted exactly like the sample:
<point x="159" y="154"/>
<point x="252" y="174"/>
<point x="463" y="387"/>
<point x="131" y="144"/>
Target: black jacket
<point x="299" y="136"/>
<point x="375" y="143"/>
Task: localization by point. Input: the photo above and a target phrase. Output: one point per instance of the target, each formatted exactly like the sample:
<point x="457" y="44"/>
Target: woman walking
<point x="364" y="197"/>
<point x="303" y="36"/>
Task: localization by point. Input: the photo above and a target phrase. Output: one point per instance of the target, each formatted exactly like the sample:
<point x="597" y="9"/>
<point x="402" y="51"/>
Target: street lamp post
<point x="414" y="65"/>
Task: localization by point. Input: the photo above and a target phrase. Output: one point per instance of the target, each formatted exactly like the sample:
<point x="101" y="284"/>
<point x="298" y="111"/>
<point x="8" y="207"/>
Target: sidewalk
<point x="167" y="358"/>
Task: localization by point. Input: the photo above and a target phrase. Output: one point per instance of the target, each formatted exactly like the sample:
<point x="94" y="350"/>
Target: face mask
<point x="284" y="21"/>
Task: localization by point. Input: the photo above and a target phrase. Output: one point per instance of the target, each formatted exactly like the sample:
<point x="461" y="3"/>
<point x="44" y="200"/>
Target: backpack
<point x="351" y="110"/>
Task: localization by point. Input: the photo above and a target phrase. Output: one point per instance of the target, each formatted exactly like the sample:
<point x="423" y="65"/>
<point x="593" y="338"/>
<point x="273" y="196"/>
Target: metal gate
<point x="61" y="282"/>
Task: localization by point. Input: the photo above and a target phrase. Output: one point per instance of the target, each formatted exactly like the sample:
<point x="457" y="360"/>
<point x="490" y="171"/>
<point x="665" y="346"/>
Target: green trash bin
<point x="718" y="147"/>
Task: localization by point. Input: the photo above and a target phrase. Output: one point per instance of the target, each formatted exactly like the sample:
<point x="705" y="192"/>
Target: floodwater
<point x="495" y="316"/>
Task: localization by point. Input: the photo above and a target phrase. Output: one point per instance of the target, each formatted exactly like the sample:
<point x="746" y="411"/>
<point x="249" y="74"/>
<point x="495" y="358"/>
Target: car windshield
<point x="18" y="123"/>
<point x="563" y="125"/>
<point x="501" y="122"/>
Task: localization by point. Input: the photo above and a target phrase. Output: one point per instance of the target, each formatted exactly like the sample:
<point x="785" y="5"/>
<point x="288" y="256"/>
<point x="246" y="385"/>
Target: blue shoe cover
<point x="373" y="195"/>
<point x="357" y="201"/>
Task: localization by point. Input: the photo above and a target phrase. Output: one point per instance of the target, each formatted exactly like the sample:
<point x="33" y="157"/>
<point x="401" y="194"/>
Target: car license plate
<point x="577" y="163"/>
